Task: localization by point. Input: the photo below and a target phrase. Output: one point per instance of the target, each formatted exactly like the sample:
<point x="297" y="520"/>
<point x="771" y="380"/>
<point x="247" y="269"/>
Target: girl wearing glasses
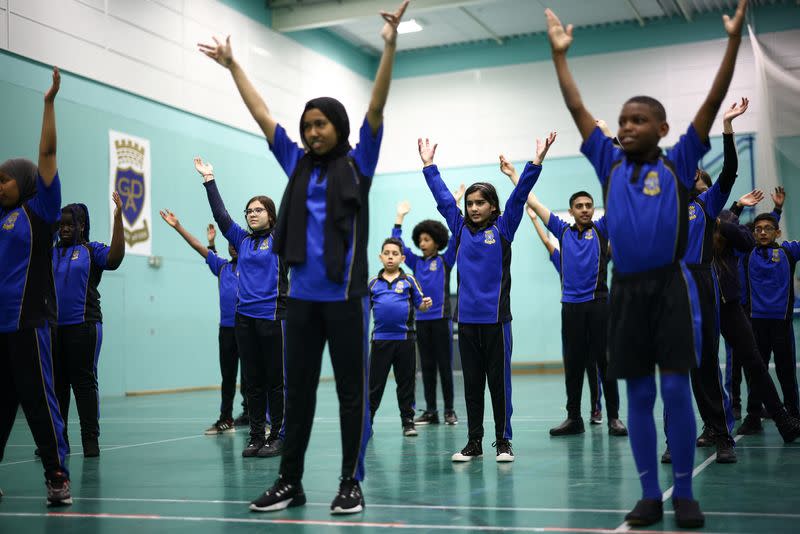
<point x="259" y="323"/>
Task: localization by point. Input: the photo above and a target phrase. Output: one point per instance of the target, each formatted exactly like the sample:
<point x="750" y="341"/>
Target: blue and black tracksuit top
<point x="433" y="275"/>
<point x="646" y="201"/>
<point x="228" y="283"/>
<point x="393" y="305"/>
<point x="309" y="281"/>
<point x="769" y="271"/>
<point x="583" y="259"/>
<point x="555" y="259"/>
<point x="77" y="270"/>
<point x="483" y="255"/>
<point x="27" y="287"/>
<point x="262" y="275"/>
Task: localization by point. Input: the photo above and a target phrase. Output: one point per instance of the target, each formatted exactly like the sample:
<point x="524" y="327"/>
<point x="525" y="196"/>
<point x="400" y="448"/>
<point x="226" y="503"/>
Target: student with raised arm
<point x="434" y="326"/>
<point x="322" y="235"/>
<point x="260" y="327"/>
<point x="78" y="266"/>
<point x="30" y="206"/>
<point x="483" y="312"/>
<point x="228" y="285"/>
<point x="584" y="255"/>
<point x="654" y="308"/>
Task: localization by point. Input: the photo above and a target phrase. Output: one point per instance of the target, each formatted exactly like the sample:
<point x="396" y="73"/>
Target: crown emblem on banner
<point x="129" y="154"/>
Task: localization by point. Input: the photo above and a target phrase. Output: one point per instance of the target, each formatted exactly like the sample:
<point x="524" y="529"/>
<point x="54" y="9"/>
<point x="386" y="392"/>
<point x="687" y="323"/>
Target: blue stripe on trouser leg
<point x="44" y="350"/>
<point x="97" y="346"/>
<point x="366" y="425"/>
<point x="696" y="313"/>
<point x="507" y="348"/>
<point x="724" y="382"/>
<point x="282" y="431"/>
<point x="598" y="406"/>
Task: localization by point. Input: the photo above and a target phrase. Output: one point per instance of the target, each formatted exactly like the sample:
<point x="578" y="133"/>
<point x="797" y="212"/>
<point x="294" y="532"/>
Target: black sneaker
<point x="596" y="418"/>
<point x="646" y="512"/>
<point x="222" y="426"/>
<point x="349" y="500"/>
<point x="474" y="449"/>
<point x="706" y="438"/>
<point x="504" y="451"/>
<point x="450" y="417"/>
<point x="568" y="428"/>
<point x="242" y="420"/>
<point x="751" y="425"/>
<point x="253" y="446"/>
<point x="616" y="428"/>
<point x="666" y="458"/>
<point x="687" y="513"/>
<point x="726" y="453"/>
<point x="280" y="496"/>
<point x="427" y="418"/>
<point x="273" y="447"/>
<point x="91" y="448"/>
<point x="58" y="493"/>
<point x="788" y="426"/>
<point x="409" y="429"/>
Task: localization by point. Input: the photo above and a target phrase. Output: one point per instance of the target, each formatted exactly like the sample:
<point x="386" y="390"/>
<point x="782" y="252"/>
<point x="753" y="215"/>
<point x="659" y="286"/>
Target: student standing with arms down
<point x="322" y="234"/>
<point x="655" y="313"/>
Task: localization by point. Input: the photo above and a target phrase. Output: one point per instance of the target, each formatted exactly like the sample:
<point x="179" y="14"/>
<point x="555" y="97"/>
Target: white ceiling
<point x="448" y="22"/>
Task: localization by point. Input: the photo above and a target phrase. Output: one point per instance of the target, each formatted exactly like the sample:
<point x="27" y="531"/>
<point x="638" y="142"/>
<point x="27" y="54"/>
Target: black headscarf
<point x="23" y="171"/>
<point x="342" y="197"/>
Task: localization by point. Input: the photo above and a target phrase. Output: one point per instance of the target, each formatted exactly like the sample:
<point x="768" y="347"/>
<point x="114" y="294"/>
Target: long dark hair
<point x="489" y="194"/>
<point x="268" y="204"/>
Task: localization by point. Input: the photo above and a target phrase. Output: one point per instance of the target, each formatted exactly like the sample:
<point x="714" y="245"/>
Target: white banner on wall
<point x="129" y="175"/>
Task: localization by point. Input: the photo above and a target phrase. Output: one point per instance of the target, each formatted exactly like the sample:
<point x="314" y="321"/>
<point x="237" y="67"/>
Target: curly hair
<point x="435" y="229"/>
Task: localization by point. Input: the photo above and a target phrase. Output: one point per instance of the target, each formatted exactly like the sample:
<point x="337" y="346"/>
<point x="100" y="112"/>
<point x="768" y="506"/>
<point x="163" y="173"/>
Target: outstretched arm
<point x="222" y="53"/>
<point x="445" y="202"/>
<point x="234" y="233"/>
<point x="383" y="77"/>
<point x="172" y="220"/>
<point x="47" y="142"/>
<point x="708" y="110"/>
<point x="116" y="250"/>
<point x="507" y="168"/>
<point x="540" y="231"/>
<point x="778" y="198"/>
<point x="560" y="40"/>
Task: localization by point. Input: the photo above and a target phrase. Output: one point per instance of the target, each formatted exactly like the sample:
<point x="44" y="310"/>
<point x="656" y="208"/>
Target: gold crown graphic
<point x="129" y="154"/>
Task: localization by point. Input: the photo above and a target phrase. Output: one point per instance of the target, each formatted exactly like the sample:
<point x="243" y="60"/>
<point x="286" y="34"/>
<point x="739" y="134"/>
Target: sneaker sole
<point x="278" y="506"/>
<point x="504" y="458"/>
<point x="458" y="457"/>
<point x="60" y="502"/>
<point x="411" y="434"/>
<point x="597" y="422"/>
<point x="342" y="511"/>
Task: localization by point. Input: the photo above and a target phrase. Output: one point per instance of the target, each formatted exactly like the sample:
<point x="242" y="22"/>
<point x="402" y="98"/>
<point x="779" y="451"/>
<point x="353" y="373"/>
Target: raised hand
<point x="752" y="198"/>
<point x="427" y="302"/>
<point x="542" y="147"/>
<point x="222" y="53"/>
<point x="169" y="218"/>
<point x="117" y="204"/>
<point x="733" y="26"/>
<point x="506" y="167"/>
<point x="211" y="233"/>
<point x="389" y="30"/>
<point x="403" y="207"/>
<point x="458" y="194"/>
<point x="426" y="151"/>
<point x="779" y="197"/>
<point x="205" y="169"/>
<point x="560" y="38"/>
<point x="51" y="93"/>
<point x="736" y="109"/>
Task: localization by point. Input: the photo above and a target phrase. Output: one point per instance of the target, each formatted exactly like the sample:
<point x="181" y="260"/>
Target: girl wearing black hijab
<point x="30" y="204"/>
<point x="321" y="232"/>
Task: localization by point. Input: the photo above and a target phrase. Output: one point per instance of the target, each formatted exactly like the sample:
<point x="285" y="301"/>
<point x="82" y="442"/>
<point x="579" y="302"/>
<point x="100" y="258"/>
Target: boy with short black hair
<point x="393" y="297"/>
<point x="654" y="311"/>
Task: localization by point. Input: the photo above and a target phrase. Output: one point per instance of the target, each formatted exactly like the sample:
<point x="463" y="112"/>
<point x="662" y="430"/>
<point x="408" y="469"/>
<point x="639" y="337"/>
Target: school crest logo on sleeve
<point x="488" y="237"/>
<point x="776" y="255"/>
<point x="692" y="212"/>
<point x="433" y="265"/>
<point x="11" y="221"/>
<point x="652" y="185"/>
<point x="75" y="254"/>
<point x="399" y="287"/>
<point x="130" y="178"/>
<point x="264" y="245"/>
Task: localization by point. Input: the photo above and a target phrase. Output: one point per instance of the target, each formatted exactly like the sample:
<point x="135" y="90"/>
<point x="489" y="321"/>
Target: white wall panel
<point x="138" y="44"/>
<point x="3" y="4"/>
<point x="175" y="5"/>
<point x="99" y="5"/>
<point x="149" y="16"/>
<point x="67" y="16"/>
<point x="3" y="28"/>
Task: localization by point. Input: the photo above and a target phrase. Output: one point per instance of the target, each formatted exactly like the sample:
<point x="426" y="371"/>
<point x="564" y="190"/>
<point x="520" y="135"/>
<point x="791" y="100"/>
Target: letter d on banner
<point x="129" y="175"/>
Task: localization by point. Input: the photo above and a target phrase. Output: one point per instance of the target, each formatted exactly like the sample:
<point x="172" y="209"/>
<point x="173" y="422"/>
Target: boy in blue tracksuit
<point x="483" y="310"/>
<point x="393" y="297"/>
<point x="434" y="326"/>
<point x="654" y="309"/>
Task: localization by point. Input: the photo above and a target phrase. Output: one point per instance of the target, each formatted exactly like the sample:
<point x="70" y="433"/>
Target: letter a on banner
<point x="129" y="175"/>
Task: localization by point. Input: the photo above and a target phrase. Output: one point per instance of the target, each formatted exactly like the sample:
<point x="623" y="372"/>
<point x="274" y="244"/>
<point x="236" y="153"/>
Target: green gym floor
<point x="158" y="473"/>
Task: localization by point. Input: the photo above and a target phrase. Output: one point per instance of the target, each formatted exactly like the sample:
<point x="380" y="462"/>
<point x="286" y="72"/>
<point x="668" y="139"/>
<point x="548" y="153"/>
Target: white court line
<point x="624" y="527"/>
<point x="758" y="515"/>
<point x="114" y="448"/>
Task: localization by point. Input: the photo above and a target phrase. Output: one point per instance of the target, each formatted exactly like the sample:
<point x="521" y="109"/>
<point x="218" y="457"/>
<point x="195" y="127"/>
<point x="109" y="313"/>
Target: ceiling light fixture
<point x="409" y="26"/>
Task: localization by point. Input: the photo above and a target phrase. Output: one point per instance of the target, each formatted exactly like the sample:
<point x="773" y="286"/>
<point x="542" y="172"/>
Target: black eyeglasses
<point x="257" y="211"/>
<point x="763" y="229"/>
